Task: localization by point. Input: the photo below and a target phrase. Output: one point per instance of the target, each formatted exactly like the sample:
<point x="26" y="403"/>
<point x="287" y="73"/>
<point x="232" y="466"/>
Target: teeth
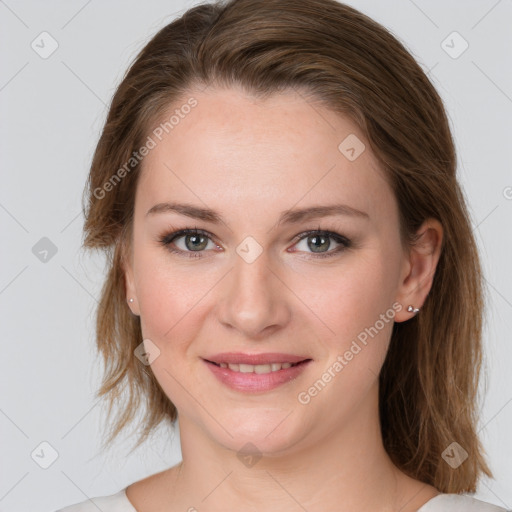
<point x="256" y="368"/>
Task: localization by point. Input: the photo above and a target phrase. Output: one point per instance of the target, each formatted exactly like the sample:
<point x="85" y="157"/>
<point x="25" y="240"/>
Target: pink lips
<point x="254" y="382"/>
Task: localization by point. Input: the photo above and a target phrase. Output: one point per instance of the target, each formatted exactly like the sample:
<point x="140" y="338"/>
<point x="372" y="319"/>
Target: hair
<point x="428" y="385"/>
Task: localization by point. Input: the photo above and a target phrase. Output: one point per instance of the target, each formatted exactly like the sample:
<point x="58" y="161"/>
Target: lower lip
<point x="254" y="382"/>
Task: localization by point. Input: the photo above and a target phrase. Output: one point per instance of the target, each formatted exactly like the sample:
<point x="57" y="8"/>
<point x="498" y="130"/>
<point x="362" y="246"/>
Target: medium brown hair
<point x="356" y="67"/>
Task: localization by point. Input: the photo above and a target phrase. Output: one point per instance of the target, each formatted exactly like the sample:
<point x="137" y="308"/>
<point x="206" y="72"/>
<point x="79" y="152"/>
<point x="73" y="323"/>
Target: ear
<point x="129" y="279"/>
<point x="419" y="267"/>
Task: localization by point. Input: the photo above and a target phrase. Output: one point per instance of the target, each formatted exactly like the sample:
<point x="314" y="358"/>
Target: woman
<point x="293" y="276"/>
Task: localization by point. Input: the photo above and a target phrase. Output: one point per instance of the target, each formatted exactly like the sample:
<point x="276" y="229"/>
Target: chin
<point x="261" y="431"/>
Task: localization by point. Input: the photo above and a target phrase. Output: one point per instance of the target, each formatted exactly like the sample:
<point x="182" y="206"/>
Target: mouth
<point x="257" y="368"/>
<point x="272" y="371"/>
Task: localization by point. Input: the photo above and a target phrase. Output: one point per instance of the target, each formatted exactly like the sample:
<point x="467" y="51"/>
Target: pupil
<point x="318" y="245"/>
<point x="195" y="238"/>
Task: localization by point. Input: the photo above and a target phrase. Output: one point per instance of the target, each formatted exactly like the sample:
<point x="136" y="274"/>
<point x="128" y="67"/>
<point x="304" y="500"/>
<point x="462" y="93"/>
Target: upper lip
<point x="254" y="359"/>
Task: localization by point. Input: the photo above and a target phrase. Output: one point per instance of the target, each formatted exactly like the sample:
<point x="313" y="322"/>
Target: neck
<point x="344" y="469"/>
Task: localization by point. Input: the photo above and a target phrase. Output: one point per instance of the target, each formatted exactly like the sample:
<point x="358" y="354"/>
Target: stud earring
<point x="131" y="300"/>
<point x="412" y="309"/>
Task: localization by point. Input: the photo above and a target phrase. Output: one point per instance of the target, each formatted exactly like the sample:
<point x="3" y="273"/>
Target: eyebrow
<point x="287" y="217"/>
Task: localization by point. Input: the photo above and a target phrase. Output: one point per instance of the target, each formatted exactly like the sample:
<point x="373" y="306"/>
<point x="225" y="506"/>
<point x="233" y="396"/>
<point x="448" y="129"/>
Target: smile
<point x="250" y="378"/>
<point x="257" y="368"/>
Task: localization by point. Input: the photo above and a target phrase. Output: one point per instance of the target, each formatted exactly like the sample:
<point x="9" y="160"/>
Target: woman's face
<point x="255" y="282"/>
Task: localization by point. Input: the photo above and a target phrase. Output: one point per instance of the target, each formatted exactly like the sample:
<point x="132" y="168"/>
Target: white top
<point x="441" y="503"/>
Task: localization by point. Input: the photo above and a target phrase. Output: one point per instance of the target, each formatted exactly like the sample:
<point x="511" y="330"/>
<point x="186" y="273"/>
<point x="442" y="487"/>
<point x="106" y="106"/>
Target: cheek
<point x="159" y="293"/>
<point x="357" y="305"/>
<point x="353" y="295"/>
<point x="172" y="296"/>
<point x="164" y="300"/>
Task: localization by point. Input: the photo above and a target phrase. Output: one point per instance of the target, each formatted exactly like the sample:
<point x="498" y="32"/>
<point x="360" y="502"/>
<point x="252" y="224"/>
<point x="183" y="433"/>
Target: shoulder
<point x="145" y="492"/>
<point x="458" y="503"/>
<point x="117" y="502"/>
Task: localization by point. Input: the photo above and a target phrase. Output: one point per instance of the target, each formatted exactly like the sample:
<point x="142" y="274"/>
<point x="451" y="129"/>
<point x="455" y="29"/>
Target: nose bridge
<point x="254" y="300"/>
<point x="251" y="271"/>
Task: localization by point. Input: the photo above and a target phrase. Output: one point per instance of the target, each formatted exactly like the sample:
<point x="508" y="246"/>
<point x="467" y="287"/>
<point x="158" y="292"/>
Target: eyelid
<point x="167" y="239"/>
<point x="319" y="231"/>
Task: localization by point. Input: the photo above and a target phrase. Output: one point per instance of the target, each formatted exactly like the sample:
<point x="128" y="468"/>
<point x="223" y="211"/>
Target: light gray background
<point x="52" y="111"/>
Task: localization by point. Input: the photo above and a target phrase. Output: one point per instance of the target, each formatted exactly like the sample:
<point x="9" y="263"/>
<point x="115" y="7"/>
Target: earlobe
<point x="130" y="289"/>
<point x="130" y="293"/>
<point x="131" y="302"/>
<point x="423" y="258"/>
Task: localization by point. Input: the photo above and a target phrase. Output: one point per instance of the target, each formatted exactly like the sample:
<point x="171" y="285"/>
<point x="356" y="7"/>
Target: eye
<point x="320" y="241"/>
<point x="193" y="242"/>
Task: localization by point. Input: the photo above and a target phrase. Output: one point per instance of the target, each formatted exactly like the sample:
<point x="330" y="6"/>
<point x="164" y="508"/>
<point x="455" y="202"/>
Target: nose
<point x="254" y="299"/>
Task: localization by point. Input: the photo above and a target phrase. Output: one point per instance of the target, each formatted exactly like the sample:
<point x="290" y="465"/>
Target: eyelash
<point x="167" y="239"/>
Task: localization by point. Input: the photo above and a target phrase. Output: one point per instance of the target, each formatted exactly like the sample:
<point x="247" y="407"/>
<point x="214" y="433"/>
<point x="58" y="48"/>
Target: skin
<point x="251" y="159"/>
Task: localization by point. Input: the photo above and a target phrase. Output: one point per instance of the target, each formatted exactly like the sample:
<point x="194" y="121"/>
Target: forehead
<point x="234" y="149"/>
